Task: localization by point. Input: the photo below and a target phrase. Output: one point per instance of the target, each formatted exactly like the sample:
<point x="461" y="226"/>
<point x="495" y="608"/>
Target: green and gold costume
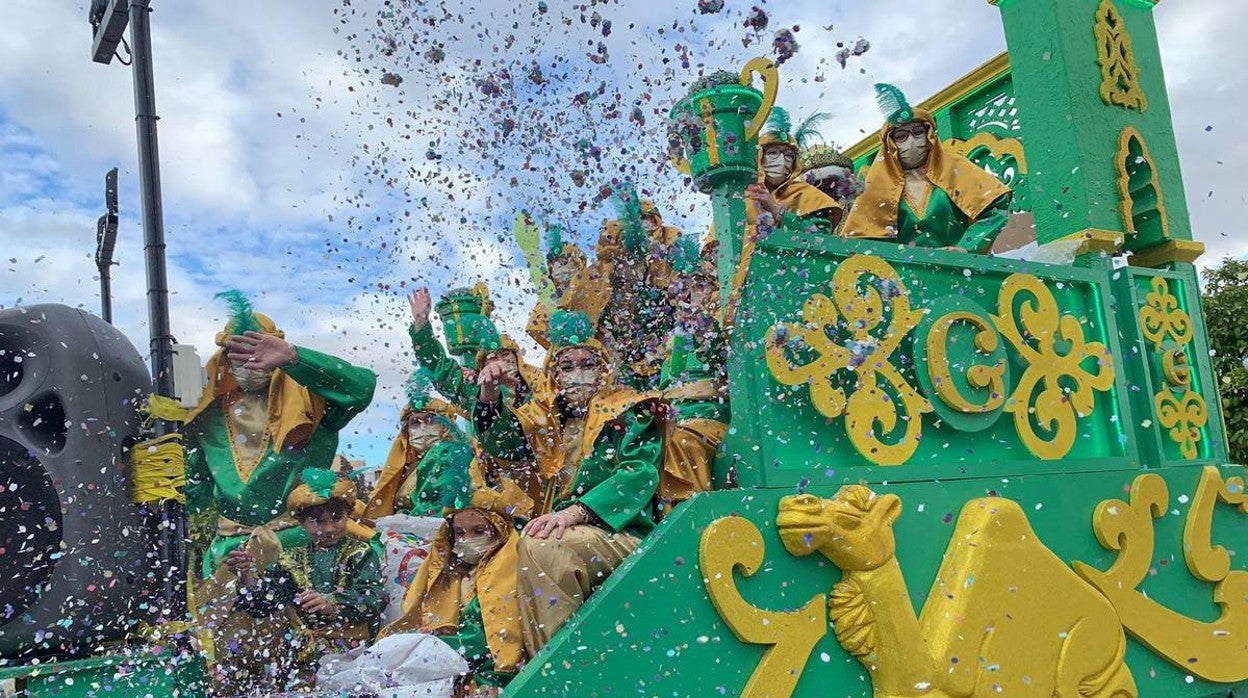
<point x="308" y="402"/>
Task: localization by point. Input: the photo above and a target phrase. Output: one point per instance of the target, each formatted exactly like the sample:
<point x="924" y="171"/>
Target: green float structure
<point x="954" y="475"/>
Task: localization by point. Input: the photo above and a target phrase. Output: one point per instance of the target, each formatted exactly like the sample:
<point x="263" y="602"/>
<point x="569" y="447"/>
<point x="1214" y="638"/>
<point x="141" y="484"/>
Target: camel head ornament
<point x="854" y="529"/>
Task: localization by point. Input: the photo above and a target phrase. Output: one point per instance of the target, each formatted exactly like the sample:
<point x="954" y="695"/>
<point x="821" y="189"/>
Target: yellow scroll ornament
<point x="1043" y="396"/>
<point x="1215" y="651"/>
<point x="881" y="397"/>
<point x="731" y="543"/>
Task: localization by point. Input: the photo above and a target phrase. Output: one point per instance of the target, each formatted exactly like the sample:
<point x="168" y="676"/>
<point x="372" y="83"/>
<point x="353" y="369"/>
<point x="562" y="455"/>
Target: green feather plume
<point x="569" y="327"/>
<point x="453" y="481"/>
<point x="554" y="240"/>
<point x="892" y="103"/>
<point x="319" y="480"/>
<point x="808" y="131"/>
<point x="686" y="256"/>
<point x="628" y="213"/>
<point x="779" y="125"/>
<point x="419" y="388"/>
<point x="241" y="315"/>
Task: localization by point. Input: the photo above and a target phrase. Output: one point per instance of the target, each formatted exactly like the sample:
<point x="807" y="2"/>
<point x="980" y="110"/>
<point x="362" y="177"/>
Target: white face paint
<point x="250" y="380"/>
<point x="423" y="435"/>
<point x="912" y="144"/>
<point x="778" y="162"/>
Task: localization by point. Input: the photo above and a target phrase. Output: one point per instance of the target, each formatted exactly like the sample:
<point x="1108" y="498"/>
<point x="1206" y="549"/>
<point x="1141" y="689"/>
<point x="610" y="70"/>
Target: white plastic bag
<point x="406" y="540"/>
<point x="397" y="666"/>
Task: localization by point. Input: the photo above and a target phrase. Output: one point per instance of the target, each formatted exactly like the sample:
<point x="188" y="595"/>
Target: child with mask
<point x="329" y="590"/>
<point x="465" y="592"/>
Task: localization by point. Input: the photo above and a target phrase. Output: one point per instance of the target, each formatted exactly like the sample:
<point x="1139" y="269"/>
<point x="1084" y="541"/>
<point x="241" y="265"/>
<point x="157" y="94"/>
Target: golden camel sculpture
<point x="1005" y="616"/>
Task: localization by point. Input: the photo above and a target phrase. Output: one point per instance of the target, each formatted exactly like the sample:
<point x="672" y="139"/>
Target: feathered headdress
<point x="569" y="328"/>
<point x="317" y="486"/>
<point x="419" y="388"/>
<point x="554" y="240"/>
<point x="808" y="131"/>
<point x="685" y="255"/>
<point x="779" y="126"/>
<point x="628" y="213"/>
<point x="454" y="479"/>
<point x="242" y="317"/>
<point x="893" y="104"/>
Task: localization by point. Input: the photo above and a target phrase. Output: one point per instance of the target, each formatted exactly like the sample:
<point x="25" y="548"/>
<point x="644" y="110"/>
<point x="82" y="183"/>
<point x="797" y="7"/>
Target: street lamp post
<point x="108" y="20"/>
<point x="105" y="242"/>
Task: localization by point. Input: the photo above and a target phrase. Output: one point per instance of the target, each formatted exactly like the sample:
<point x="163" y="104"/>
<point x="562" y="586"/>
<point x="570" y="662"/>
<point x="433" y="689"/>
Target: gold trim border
<point x="1098" y="240"/>
<point x="977" y="78"/>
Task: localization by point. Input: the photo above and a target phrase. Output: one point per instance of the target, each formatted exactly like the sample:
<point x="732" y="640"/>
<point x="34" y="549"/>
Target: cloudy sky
<point x="296" y="169"/>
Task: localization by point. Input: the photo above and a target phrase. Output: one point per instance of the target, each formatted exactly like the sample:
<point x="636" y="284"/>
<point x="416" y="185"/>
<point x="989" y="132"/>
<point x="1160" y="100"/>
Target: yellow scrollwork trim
<point x="999" y="147"/>
<point x="979" y="376"/>
<point x="871" y="411"/>
<point x="1179" y="409"/>
<point x="1126" y="202"/>
<point x="734" y="543"/>
<point x="765" y="68"/>
<point x="1161" y="316"/>
<point x="1067" y="389"/>
<point x="1212" y="651"/>
<point x="712" y="140"/>
<point x="1206" y="561"/>
<point x="1120" y="76"/>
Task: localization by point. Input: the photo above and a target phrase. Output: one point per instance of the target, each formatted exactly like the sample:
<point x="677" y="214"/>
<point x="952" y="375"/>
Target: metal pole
<point x="106" y="296"/>
<point x="173" y="516"/>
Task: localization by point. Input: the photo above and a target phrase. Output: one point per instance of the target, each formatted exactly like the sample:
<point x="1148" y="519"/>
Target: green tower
<point x="1097" y="126"/>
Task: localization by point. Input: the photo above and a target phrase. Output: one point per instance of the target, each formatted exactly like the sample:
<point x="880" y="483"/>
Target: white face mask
<point x="473" y="550"/>
<point x="777" y="165"/>
<point x="912" y="151"/>
<point x="250" y="380"/>
<point x="562" y="271"/>
<point x="649" y="224"/>
<point x="422" y="437"/>
<point x="578" y="385"/>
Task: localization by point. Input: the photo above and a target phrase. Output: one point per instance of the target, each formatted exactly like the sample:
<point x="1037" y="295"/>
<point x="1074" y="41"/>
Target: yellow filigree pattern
<point x="1120" y="76"/>
<point x="881" y="397"/>
<point x="1181" y="411"/>
<point x="1212" y="651"/>
<point x="1183" y="418"/>
<point x="1161" y="316"/>
<point x="1057" y="386"/>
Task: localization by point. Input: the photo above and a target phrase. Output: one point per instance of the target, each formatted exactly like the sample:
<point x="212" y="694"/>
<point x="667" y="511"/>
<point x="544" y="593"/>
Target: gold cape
<point x="294" y="411"/>
<point x="970" y="188"/>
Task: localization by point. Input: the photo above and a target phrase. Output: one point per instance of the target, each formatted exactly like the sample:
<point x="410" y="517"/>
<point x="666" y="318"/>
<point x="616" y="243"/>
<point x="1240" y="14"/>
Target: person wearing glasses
<point x="918" y="193"/>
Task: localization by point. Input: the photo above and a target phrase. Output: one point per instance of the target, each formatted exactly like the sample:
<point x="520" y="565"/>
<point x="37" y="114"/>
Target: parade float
<point x="946" y="474"/>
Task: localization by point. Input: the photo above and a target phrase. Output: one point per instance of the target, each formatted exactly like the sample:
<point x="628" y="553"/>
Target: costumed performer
<point x="919" y="193"/>
<point x="600" y="448"/>
<point x="328" y="590"/>
<point x="465" y="591"/>
<point x="693" y="381"/>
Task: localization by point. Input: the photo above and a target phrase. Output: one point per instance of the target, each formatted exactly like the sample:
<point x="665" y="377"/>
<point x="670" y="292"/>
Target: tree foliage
<point x="1225" y="298"/>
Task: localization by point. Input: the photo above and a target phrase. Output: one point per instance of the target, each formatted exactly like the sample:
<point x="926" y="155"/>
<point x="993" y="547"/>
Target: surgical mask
<point x="561" y="272"/>
<point x="912" y="148"/>
<point x="250" y="380"/>
<point x="472" y="550"/>
<point x="578" y="377"/>
<point x="649" y="224"/>
<point x="422" y="437"/>
<point x="777" y="166"/>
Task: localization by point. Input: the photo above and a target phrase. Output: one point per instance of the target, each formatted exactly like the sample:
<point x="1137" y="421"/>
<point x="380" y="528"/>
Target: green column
<point x="1100" y="142"/>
